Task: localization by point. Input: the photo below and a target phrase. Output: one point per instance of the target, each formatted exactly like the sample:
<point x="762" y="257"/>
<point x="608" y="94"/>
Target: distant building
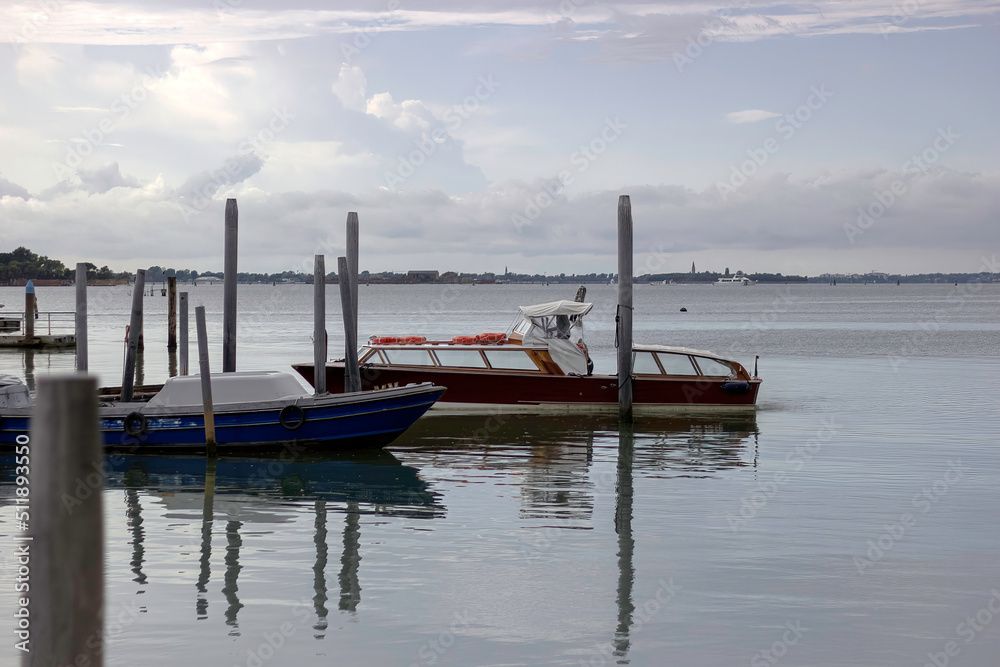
<point x="421" y="276"/>
<point x="692" y="268"/>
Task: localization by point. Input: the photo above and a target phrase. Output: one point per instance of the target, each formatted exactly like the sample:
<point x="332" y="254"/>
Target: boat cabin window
<point x="373" y="357"/>
<point x="676" y="364"/>
<point x="409" y="357"/>
<point x="461" y="358"/>
<point x="714" y="367"/>
<point x="516" y="360"/>
<point x="643" y="363"/>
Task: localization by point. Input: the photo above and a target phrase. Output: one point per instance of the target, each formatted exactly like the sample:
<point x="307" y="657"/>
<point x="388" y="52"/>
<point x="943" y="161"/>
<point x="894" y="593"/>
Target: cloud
<point x="350" y="87"/>
<point x="637" y="26"/>
<point x="430" y="227"/>
<point x="750" y="116"/>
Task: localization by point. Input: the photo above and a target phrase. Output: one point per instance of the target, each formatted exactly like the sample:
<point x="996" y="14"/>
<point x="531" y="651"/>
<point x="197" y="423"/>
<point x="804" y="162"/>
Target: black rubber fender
<point x="292" y="417"/>
<point x="134" y="424"/>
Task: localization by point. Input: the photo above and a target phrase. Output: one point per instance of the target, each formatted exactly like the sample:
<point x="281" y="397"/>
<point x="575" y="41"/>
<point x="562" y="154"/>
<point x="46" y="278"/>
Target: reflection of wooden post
<point x="81" y="318"/>
<point x="128" y="375"/>
<point x="624" y="308"/>
<point x="206" y="380"/>
<point x="184" y="332"/>
<point x="229" y="290"/>
<point x="319" y="325"/>
<point x="352" y="374"/>
<point x="319" y="568"/>
<point x="207" y="516"/>
<point x="172" y="312"/>
<point x="67" y="561"/>
<point x="626" y="544"/>
<point x="350" y="561"/>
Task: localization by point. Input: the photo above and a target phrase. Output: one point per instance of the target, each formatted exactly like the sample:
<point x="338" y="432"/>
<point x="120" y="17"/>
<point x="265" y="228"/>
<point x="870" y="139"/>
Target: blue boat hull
<point x="369" y="419"/>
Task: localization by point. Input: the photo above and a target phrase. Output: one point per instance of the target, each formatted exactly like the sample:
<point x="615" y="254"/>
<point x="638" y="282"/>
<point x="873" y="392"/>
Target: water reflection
<point x="357" y="483"/>
<point x="626" y="544"/>
<point x="553" y="455"/>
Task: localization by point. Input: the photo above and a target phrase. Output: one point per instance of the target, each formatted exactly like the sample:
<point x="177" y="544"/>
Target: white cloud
<point x="350" y="87"/>
<point x="750" y="116"/>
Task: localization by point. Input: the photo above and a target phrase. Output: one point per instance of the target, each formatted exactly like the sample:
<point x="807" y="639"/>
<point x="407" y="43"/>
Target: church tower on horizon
<point x="692" y="267"/>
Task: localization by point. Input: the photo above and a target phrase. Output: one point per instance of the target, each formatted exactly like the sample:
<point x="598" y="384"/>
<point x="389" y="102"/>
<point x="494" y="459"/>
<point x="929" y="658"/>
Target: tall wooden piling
<point x="319" y="324"/>
<point x="352" y="264"/>
<point x="29" y="312"/>
<point x="81" y="317"/>
<point x="184" y="333"/>
<point x="352" y="373"/>
<point x="128" y="373"/>
<point x="66" y="547"/>
<point x="229" y="290"/>
<point x="171" y="312"/>
<point x="206" y="380"/>
<point x="624" y="317"/>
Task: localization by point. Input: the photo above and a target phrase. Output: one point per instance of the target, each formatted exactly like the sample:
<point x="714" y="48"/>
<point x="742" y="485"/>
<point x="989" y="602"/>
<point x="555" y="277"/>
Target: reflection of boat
<point x="541" y="363"/>
<point x="371" y="478"/>
<point x="252" y="409"/>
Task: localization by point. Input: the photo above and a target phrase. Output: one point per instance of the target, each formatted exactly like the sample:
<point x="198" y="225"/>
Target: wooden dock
<point x="54" y="329"/>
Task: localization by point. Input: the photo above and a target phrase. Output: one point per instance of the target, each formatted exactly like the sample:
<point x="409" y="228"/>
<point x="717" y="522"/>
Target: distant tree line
<point x="22" y="263"/>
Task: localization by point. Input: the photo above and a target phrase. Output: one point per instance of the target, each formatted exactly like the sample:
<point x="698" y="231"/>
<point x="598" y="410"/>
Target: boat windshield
<point x="558" y="320"/>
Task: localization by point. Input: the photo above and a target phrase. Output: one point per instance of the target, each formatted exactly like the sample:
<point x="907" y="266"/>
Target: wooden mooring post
<point x="352" y="373"/>
<point x="66" y="537"/>
<point x="319" y="324"/>
<point x="206" y="381"/>
<point x="29" y="312"/>
<point x="81" y="318"/>
<point x="184" y="333"/>
<point x="624" y="317"/>
<point x="229" y="290"/>
<point x="171" y="312"/>
<point x="135" y="321"/>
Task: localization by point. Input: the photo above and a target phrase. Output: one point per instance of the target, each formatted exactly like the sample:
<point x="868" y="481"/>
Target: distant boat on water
<point x="738" y="279"/>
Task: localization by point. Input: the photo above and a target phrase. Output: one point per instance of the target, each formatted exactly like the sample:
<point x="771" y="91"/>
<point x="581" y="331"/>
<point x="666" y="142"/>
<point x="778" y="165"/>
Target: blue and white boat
<point x="253" y="410"/>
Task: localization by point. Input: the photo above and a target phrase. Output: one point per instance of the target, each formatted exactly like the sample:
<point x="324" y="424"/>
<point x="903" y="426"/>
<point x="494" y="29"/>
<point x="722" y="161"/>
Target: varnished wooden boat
<point x="541" y="364"/>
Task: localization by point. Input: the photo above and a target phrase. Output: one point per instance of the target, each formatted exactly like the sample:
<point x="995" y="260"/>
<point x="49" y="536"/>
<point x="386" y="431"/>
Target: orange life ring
<point x="463" y="340"/>
<point x="385" y="340"/>
<point x="491" y="338"/>
<point x="415" y="340"/>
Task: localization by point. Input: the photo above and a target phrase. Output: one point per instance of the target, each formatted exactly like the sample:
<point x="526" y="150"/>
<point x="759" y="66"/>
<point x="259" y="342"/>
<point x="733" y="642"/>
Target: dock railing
<point x="51" y="323"/>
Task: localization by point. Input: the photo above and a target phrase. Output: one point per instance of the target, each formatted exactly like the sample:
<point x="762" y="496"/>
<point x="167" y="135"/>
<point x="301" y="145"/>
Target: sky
<point x="480" y="135"/>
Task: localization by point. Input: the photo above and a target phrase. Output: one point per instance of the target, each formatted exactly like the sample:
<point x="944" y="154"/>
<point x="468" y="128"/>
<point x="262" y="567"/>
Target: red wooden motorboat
<point x="541" y="364"/>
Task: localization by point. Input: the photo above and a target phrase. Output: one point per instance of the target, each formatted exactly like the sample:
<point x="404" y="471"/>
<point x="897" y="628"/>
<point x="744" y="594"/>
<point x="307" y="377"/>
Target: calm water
<point x="851" y="521"/>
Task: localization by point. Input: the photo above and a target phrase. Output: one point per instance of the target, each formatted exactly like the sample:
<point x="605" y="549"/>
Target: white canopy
<point x="556" y="308"/>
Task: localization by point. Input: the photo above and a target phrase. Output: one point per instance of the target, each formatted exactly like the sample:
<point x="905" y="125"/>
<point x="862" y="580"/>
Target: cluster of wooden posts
<point x="67" y="592"/>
